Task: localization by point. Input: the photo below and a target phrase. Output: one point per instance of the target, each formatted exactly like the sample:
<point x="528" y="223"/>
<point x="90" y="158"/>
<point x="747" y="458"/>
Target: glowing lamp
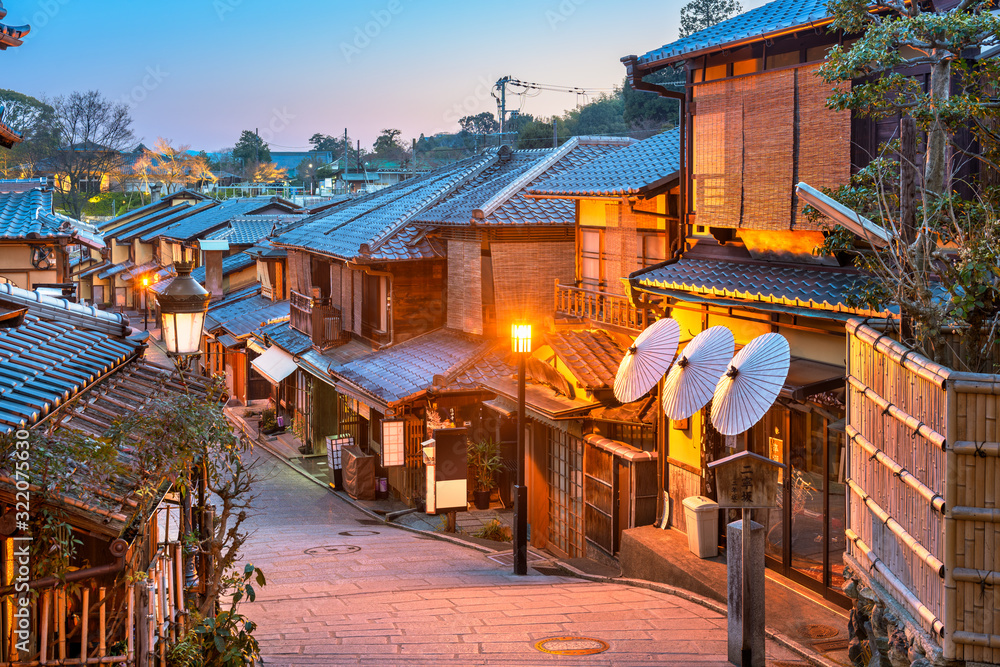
<point x="393" y="442"/>
<point x="520" y="338"/>
<point x="145" y="281"/>
<point x="183" y="305"/>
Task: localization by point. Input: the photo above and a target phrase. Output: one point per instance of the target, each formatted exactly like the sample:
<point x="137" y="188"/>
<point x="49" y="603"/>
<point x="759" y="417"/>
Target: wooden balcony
<point x="316" y="318"/>
<point x="600" y="308"/>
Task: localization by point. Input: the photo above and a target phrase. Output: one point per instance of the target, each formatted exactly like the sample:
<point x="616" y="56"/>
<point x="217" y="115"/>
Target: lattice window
<point x="566" y="493"/>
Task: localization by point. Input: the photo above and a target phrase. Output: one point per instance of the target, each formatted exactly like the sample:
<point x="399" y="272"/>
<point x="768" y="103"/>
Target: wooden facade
<point x="924" y="468"/>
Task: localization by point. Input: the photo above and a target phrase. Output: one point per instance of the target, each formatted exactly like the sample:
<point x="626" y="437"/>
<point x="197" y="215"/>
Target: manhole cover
<point x="571" y="646"/>
<point x="332" y="550"/>
<point x="815" y="631"/>
<point x="357" y="533"/>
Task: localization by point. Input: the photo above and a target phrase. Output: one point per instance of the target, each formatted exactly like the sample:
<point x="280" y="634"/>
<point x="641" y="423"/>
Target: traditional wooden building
<point x="36" y="242"/>
<point x="757" y="124"/>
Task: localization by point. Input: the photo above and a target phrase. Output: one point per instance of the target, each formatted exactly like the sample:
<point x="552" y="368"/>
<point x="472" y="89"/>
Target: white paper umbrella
<point x="647" y="360"/>
<point x="691" y="381"/>
<point x="748" y="388"/>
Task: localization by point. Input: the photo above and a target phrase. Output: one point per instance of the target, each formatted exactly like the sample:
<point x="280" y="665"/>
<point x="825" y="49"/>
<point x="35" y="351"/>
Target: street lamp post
<point x="145" y="303"/>
<point x="183" y="305"/>
<point x="520" y="339"/>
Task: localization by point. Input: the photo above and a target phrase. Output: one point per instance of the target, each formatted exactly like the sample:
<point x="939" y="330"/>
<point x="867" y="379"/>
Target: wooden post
<point x="84" y="623"/>
<point x="745" y="583"/>
<point x="130" y="625"/>
<point x="43" y="656"/>
<point x="61" y="621"/>
<point x="101" y="626"/>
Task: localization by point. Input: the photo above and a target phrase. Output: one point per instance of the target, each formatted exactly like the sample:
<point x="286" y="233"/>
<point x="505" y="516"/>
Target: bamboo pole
<point x="972" y="386"/>
<point x="43" y="655"/>
<point x="84" y="622"/>
<point x="897" y="529"/>
<point x="109" y="660"/>
<point x="61" y="621"/>
<point x="985" y="449"/>
<point x="908" y="597"/>
<point x="914" y="424"/>
<point x="179" y="578"/>
<point x="915" y="363"/>
<point x="987" y="514"/>
<point x="102" y="646"/>
<point x="926" y="492"/>
<point x="950" y="532"/>
<point x="975" y="576"/>
<point x="169" y="604"/>
<point x="977" y="639"/>
<point x="130" y="625"/>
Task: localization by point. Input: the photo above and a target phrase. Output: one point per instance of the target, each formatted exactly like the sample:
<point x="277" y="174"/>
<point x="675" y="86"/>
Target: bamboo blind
<point x="465" y="285"/>
<point x="755" y="137"/>
<point x="523" y="274"/>
<point x="925" y="472"/>
<point x="621" y="246"/>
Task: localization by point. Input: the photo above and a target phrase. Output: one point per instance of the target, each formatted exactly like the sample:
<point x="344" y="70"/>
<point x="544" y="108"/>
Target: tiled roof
<point x="29" y="215"/>
<point x="159" y="219"/>
<point x="64" y="311"/>
<point x="250" y="229"/>
<point x="780" y="284"/>
<point x="591" y="356"/>
<point x="240" y="317"/>
<point x="166" y="202"/>
<point x="773" y="17"/>
<point x="316" y="362"/>
<point x="410" y="242"/>
<point x="403" y="370"/>
<point x="377" y="217"/>
<point x="230" y="264"/>
<point x="131" y="273"/>
<point x="211" y="218"/>
<point x="632" y="170"/>
<point x="495" y="196"/>
<point x="44" y="363"/>
<point x="285" y="337"/>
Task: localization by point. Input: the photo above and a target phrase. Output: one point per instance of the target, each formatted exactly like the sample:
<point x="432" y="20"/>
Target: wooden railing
<point x="317" y="319"/>
<point x="599" y="307"/>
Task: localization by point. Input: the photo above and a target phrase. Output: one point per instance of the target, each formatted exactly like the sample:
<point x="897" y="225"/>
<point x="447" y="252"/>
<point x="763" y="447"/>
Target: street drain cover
<point x="571" y="646"/>
<point x="357" y="533"/>
<point x="816" y="631"/>
<point x="507" y="558"/>
<point x="331" y="550"/>
<point x="370" y="522"/>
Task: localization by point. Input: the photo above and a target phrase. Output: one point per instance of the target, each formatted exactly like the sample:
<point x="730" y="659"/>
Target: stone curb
<point x="786" y="641"/>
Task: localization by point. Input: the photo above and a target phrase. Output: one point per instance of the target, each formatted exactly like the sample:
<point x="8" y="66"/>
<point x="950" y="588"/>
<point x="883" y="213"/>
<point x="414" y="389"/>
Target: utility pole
<point x="347" y="148"/>
<point x="413" y="157"/>
<point x="555" y="133"/>
<point x="256" y="145"/>
<point x="502" y="85"/>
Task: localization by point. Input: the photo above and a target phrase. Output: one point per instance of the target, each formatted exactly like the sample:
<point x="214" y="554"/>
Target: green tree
<point x="605" y="115"/>
<point x="481" y="123"/>
<point x="35" y="120"/>
<point x="924" y="211"/>
<point x="700" y="14"/>
<point x="251" y="149"/>
<point x="647" y="112"/>
<point x="538" y="134"/>
<point x="387" y="146"/>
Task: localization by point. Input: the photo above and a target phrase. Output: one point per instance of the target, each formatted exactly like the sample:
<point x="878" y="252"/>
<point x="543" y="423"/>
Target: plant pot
<point x="481" y="499"/>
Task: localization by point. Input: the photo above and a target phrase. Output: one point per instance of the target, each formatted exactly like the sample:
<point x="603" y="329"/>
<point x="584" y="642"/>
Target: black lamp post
<point x="183" y="305"/>
<point x="145" y="303"/>
<point x="520" y="340"/>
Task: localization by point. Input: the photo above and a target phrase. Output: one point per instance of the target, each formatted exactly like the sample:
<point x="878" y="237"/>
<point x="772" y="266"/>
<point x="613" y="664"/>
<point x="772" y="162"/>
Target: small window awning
<point x="228" y="341"/>
<point x="275" y="365"/>
<point x="806" y="378"/>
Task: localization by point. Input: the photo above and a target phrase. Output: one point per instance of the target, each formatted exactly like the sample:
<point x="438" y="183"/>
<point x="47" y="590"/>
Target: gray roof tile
<point x="29" y="215"/>
<point x="769" y="18"/>
<point x="631" y="170"/>
<point x="820" y="289"/>
<point x="408" y="368"/>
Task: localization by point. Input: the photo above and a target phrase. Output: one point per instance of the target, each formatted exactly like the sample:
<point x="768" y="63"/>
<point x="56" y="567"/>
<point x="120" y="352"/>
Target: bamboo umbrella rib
<point x="917" y="426"/>
<point x="897" y="529"/>
<point x="912" y="600"/>
<point x="897" y="470"/>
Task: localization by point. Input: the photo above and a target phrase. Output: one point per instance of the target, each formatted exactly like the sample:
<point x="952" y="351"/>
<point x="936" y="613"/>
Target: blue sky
<point x="199" y="71"/>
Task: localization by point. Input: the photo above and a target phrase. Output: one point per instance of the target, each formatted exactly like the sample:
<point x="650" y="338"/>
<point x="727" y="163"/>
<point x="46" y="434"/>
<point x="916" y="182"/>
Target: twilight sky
<point x="199" y="71"/>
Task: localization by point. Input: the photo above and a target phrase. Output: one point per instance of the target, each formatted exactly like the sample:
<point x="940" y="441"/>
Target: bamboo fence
<point x="924" y="461"/>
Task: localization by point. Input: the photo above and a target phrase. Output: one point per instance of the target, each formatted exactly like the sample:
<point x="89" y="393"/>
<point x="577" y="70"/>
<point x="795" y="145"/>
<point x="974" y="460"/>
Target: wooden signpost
<point x="746" y="481"/>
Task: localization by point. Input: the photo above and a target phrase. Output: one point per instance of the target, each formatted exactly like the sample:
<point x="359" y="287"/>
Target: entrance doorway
<point x="805" y="534"/>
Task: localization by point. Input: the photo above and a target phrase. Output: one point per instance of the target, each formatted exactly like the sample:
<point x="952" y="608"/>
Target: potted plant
<point x="484" y="461"/>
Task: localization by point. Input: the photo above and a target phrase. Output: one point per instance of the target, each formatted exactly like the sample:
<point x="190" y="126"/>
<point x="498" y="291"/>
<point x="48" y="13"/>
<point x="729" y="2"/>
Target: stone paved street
<point x="344" y="591"/>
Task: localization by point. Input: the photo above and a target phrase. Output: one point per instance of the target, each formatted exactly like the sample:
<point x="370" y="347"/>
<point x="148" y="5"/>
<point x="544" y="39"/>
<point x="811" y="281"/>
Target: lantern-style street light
<point x="145" y="303"/>
<point x="183" y="305"/>
<point x="520" y="342"/>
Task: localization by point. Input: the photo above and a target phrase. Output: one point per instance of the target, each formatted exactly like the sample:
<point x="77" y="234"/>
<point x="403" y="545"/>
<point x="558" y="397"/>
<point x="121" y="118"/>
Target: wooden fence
<point x="924" y="463"/>
<point x="130" y="625"/>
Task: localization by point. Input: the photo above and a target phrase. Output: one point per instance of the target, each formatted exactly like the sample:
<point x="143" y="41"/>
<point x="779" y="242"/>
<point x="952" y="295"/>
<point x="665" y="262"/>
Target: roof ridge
<point x="525" y="178"/>
<point x="484" y="162"/>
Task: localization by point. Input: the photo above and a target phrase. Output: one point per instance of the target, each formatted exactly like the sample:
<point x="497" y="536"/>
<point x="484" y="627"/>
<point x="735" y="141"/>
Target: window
<point x="591" y="256"/>
<point x="565" y="492"/>
<point x="652" y="249"/>
<point x="782" y="60"/>
<point x="746" y="66"/>
<point x="373" y="310"/>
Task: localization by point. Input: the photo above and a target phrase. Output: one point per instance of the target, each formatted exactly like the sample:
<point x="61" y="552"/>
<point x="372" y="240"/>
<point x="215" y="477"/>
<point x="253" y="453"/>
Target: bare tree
<point x="91" y="133"/>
